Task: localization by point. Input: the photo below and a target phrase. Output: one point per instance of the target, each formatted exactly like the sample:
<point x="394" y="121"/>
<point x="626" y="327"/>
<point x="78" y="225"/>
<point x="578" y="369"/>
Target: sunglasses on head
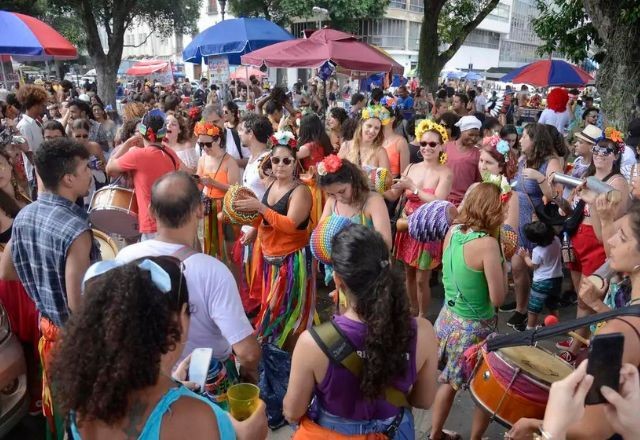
<point x="431" y="144"/>
<point x="81" y="136"/>
<point x="602" y="151"/>
<point x="285" y="160"/>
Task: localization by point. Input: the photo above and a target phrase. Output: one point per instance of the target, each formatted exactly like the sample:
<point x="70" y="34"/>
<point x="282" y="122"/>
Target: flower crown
<point x="194" y="113"/>
<point x="428" y="125"/>
<point x="501" y="182"/>
<point x="285" y="138"/>
<point x="378" y="112"/>
<point x="329" y="164"/>
<point x="614" y="135"/>
<point x="206" y="129"/>
<point x="500" y="145"/>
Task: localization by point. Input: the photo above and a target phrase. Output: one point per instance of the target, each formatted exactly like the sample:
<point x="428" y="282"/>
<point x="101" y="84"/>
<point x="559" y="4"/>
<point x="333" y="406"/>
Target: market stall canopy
<point x="147" y="67"/>
<point x="29" y="37"/>
<point x="243" y="73"/>
<point x="234" y="38"/>
<point x="549" y="73"/>
<point x="326" y="45"/>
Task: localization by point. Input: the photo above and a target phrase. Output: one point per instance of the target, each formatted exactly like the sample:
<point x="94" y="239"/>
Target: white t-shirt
<point x="481" y="103"/>
<point x="218" y="320"/>
<point x="628" y="162"/>
<point x="232" y="149"/>
<point x="558" y="120"/>
<point x="251" y="179"/>
<point x="549" y="261"/>
<point x="31" y="131"/>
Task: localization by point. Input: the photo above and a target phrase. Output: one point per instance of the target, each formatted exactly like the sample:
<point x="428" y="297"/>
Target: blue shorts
<point x="545" y="293"/>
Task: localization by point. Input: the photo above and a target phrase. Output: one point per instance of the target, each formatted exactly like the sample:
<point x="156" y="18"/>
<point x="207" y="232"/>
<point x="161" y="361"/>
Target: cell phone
<point x="199" y="365"/>
<point x="605" y="361"/>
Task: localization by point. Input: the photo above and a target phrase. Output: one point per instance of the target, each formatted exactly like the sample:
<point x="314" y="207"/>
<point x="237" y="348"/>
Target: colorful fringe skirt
<point x="216" y="232"/>
<point x="250" y="287"/>
<point x="288" y="296"/>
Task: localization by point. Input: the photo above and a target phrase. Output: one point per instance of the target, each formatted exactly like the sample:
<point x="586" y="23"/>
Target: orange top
<point x="394" y="157"/>
<point x="219" y="176"/>
<point x="281" y="236"/>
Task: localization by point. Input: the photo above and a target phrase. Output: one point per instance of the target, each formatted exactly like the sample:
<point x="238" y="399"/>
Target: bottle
<point x="568" y="255"/>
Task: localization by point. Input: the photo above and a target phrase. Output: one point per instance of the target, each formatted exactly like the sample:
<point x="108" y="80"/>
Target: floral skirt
<point x="422" y="256"/>
<point x="455" y="335"/>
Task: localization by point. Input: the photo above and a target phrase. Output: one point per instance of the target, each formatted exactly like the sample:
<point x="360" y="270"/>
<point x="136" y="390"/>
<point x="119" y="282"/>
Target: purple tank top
<point x="339" y="393"/>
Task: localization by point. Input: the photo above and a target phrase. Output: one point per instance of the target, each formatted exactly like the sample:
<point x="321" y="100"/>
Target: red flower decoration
<point x="504" y="197"/>
<point x="332" y="163"/>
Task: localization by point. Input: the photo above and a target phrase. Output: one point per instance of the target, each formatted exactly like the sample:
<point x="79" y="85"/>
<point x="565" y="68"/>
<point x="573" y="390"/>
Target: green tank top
<point x="466" y="291"/>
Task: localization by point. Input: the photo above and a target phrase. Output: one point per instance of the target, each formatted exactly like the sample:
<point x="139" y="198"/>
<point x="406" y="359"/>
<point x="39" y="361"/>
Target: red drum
<point x="115" y="210"/>
<point x="514" y="382"/>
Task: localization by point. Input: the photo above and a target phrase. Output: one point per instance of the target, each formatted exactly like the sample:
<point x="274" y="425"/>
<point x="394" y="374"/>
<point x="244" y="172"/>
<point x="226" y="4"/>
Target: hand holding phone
<point x="199" y="365"/>
<point x="605" y="361"/>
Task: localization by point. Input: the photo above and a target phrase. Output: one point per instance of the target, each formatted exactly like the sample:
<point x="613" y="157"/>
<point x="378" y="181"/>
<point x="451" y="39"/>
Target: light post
<point x="223" y="4"/>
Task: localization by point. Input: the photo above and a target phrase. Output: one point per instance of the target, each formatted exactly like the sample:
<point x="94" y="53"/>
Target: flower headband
<point x="428" y="125"/>
<point x="159" y="276"/>
<point x="615" y="136"/>
<point x="329" y="164"/>
<point x="284" y="138"/>
<point x="500" y="145"/>
<point x="377" y="112"/>
<point x="206" y="129"/>
<point x="501" y="182"/>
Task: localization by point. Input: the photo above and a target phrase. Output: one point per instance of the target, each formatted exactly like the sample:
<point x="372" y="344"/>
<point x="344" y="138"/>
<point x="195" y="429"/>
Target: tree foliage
<point x="445" y="26"/>
<point x="343" y="14"/>
<point x="606" y="31"/>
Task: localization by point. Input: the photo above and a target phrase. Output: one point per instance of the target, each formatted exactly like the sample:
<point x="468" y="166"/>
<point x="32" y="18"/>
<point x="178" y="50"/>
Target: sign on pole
<point x="218" y="69"/>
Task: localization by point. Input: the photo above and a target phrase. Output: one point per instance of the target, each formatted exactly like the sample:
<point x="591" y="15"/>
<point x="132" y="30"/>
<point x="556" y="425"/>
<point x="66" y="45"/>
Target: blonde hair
<point x="357" y="154"/>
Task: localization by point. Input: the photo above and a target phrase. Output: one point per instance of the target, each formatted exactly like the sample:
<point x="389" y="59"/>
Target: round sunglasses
<point x="285" y="160"/>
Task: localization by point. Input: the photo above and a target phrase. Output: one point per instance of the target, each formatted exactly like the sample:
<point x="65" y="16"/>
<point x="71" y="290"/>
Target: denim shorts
<point x="406" y="429"/>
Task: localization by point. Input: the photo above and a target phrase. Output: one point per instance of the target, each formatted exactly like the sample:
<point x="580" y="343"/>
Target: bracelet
<point x="542" y="181"/>
<point x="544" y="435"/>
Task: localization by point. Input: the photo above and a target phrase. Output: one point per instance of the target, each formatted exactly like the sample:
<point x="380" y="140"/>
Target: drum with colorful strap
<point x="237" y="192"/>
<point x="513" y="382"/>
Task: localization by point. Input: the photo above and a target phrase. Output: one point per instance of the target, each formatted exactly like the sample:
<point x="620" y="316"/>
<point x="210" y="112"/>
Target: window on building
<point x="399" y="4"/>
<point x="500" y="12"/>
<point x="297" y="29"/>
<point x="482" y="38"/>
<point x="414" y="35"/>
<point x="212" y="7"/>
<point x="386" y="33"/>
<point x="416" y="5"/>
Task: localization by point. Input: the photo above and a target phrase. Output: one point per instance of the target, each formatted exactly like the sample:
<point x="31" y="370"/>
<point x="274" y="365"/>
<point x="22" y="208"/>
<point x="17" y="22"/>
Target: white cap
<point x="84" y="97"/>
<point x="468" y="123"/>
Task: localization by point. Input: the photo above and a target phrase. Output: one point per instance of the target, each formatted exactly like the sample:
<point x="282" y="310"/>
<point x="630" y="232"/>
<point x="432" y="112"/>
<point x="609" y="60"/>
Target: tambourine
<point x="237" y="192"/>
<point x="431" y="221"/>
<point x="509" y="241"/>
<point x="320" y="242"/>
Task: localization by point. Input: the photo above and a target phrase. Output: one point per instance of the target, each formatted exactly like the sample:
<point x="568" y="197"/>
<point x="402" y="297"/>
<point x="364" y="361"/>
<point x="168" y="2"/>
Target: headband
<point x="203" y="128"/>
<point x="284" y="138"/>
<point x="501" y="182"/>
<point x="428" y="125"/>
<point x="377" y="112"/>
<point x="500" y="145"/>
<point x="329" y="164"/>
<point x="159" y="276"/>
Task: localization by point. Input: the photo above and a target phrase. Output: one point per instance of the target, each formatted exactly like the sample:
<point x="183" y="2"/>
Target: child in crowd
<point x="546" y="262"/>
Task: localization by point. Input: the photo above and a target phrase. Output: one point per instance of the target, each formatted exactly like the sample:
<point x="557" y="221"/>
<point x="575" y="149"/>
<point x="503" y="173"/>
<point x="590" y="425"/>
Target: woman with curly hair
<point x="400" y="351"/>
<point x="178" y="139"/>
<point x="365" y="150"/>
<point x="473" y="279"/>
<point x="531" y="183"/>
<point x="288" y="277"/>
<point x="422" y="183"/>
<point x="217" y="171"/>
<point x="112" y="366"/>
<point x="348" y="195"/>
<point x="337" y="117"/>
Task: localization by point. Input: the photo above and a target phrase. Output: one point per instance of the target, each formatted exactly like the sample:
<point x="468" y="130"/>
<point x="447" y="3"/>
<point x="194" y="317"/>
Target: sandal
<point x="448" y="435"/>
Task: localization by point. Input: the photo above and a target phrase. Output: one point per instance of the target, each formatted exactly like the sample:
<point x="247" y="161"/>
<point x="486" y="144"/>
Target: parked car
<point x="14" y="399"/>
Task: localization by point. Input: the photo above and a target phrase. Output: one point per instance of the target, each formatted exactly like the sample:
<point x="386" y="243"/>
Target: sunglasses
<point x="602" y="151"/>
<point x="208" y="144"/>
<point x="81" y="136"/>
<point x="431" y="144"/>
<point x="285" y="160"/>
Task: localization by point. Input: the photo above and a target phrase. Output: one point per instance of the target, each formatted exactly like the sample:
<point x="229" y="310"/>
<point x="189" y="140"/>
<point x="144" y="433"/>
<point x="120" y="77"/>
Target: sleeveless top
<point x="339" y="392"/>
<point x="464" y="287"/>
<point x="394" y="157"/>
<point x="316" y="154"/>
<point x="189" y="157"/>
<point x="359" y="218"/>
<point x="151" y="429"/>
<point x="251" y="177"/>
<point x="529" y="186"/>
<point x="282" y="206"/>
<point x="218" y="175"/>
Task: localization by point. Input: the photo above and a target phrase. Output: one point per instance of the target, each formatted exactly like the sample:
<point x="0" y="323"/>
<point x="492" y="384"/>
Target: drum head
<point x="537" y="363"/>
<point x="108" y="247"/>
<point x="114" y="221"/>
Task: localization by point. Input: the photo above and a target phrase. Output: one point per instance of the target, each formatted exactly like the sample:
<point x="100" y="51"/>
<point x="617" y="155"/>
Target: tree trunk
<point x="107" y="74"/>
<point x="618" y="79"/>
<point x="429" y="64"/>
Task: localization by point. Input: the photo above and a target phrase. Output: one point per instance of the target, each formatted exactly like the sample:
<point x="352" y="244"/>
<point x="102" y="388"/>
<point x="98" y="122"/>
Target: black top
<point x="282" y="206"/>
<point x="5" y="236"/>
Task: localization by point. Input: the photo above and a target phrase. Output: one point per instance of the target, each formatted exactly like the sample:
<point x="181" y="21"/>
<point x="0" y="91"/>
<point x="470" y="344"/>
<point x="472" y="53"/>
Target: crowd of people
<point x="234" y="208"/>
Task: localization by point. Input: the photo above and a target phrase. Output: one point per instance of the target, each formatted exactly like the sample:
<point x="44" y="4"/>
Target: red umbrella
<point x="343" y="49"/>
<point x="147" y="67"/>
<point x="549" y="73"/>
<point x="243" y="73"/>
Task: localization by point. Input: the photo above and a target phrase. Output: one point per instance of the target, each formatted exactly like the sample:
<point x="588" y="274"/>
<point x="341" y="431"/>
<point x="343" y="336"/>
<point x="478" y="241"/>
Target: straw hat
<point x="590" y="134"/>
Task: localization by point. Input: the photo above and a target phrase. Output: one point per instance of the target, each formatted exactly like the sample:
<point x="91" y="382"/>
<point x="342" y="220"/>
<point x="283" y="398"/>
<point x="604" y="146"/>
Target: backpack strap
<point x="236" y="140"/>
<point x="183" y="253"/>
<point x="335" y="345"/>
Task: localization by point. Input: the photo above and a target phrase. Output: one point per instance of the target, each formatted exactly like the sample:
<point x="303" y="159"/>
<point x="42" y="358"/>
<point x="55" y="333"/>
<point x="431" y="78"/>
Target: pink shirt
<point x="147" y="165"/>
<point x="464" y="166"/>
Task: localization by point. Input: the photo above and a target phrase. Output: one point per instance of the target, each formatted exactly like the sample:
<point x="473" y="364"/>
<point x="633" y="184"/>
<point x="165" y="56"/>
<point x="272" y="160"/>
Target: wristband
<point x="542" y="181"/>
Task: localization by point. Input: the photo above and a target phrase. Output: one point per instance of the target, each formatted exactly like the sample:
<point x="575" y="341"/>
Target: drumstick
<point x="552" y="320"/>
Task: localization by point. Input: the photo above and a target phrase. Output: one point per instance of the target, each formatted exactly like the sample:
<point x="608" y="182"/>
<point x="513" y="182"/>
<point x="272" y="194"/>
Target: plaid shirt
<point x="42" y="235"/>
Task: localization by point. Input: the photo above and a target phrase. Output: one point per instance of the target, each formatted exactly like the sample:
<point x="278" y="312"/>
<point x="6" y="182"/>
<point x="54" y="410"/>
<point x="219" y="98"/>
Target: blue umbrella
<point x="473" y="76"/>
<point x="454" y="75"/>
<point x="234" y="38"/>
